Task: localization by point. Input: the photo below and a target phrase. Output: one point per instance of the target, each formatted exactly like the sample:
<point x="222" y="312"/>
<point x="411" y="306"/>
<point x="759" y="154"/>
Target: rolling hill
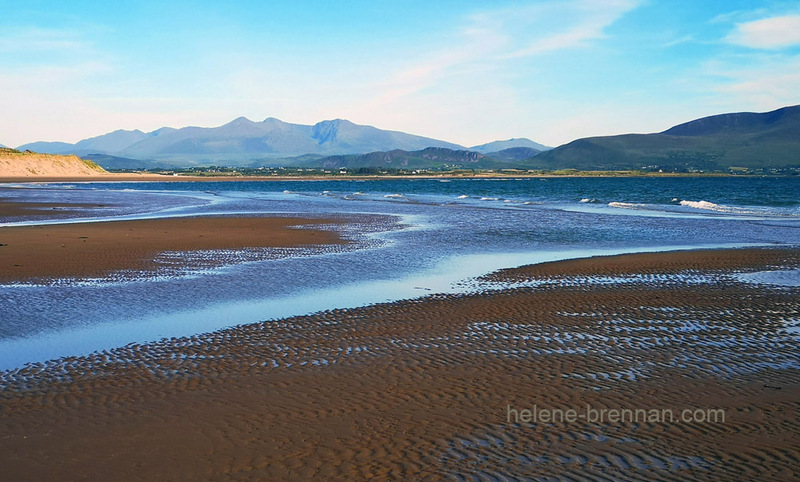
<point x="431" y="157"/>
<point x="509" y="144"/>
<point x="514" y="154"/>
<point x="748" y="140"/>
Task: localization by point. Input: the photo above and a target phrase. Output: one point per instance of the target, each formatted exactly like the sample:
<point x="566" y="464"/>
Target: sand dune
<point x="31" y="164"/>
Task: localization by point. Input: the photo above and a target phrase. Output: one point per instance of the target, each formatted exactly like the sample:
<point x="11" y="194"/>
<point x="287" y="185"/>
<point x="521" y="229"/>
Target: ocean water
<point x="432" y="236"/>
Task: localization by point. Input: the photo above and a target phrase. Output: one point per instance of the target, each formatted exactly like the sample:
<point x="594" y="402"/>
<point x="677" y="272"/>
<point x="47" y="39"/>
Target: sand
<point x="9" y="210"/>
<point x="82" y="250"/>
<point x="31" y="165"/>
<point x="421" y="389"/>
<point x="106" y="177"/>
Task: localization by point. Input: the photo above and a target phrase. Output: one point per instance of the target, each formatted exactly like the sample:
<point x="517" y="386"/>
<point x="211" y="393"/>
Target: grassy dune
<point x="14" y="163"/>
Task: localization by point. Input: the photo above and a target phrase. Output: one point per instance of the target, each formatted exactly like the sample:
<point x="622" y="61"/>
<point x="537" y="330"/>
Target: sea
<point x="414" y="238"/>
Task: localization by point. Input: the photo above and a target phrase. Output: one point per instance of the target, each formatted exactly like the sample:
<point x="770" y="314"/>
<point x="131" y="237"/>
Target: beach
<point x="427" y="388"/>
<point x="671" y="363"/>
<point x="415" y="241"/>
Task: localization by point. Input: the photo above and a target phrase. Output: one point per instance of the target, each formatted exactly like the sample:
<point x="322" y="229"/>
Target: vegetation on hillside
<point x="717" y="143"/>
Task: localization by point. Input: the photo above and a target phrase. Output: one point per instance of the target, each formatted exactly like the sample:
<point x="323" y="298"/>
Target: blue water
<point x="438" y="235"/>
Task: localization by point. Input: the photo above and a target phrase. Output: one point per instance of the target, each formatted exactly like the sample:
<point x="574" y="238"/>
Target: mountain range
<point x="720" y="142"/>
<point x="749" y="140"/>
<point x="242" y="141"/>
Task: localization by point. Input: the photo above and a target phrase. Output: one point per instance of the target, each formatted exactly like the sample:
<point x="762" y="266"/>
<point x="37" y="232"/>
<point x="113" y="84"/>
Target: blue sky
<point x="464" y="71"/>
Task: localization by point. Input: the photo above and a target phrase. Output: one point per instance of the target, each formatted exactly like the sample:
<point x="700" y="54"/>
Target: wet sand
<point x="421" y="389"/>
<point x="80" y="250"/>
<point x="109" y="177"/>
<point x="13" y="209"/>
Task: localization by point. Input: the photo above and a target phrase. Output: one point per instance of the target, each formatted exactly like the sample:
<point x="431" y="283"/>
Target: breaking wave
<point x="705" y="205"/>
<point x="720" y="208"/>
<point x="622" y="205"/>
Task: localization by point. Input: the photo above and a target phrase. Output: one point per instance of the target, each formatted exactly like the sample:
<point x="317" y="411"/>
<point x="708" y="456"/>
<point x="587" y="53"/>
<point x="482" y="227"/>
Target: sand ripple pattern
<point x="359" y="233"/>
<point x="421" y="389"/>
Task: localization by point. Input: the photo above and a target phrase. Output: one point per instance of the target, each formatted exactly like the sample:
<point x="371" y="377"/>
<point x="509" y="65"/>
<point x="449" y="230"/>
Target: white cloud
<point x="563" y="25"/>
<point x="491" y="43"/>
<point x="764" y="84"/>
<point x="768" y="33"/>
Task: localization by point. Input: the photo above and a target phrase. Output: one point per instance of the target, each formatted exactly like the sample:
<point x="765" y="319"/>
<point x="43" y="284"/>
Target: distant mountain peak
<point x="125" y="131"/>
<point x="336" y="123"/>
<point x="162" y="130"/>
<point x="326" y="131"/>
<point x="508" y="144"/>
<point x="239" y="121"/>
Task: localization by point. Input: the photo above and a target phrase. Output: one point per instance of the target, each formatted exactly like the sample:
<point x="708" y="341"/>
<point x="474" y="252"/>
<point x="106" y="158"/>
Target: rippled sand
<point x="422" y="388"/>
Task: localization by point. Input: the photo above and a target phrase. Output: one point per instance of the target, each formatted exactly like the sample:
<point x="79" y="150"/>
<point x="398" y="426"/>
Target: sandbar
<point x="91" y="249"/>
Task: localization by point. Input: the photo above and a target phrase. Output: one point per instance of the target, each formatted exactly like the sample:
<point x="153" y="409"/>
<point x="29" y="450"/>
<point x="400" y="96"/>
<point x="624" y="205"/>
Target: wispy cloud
<point x="480" y="74"/>
<point x="679" y="41"/>
<point x="41" y="40"/>
<point x="489" y="39"/>
<point x="740" y="16"/>
<point x="559" y="26"/>
<point x="764" y="83"/>
<point x="768" y="33"/>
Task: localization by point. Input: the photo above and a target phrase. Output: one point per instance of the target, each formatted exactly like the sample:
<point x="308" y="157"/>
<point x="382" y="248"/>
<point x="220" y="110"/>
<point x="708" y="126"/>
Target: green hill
<point x="751" y="140"/>
<point x="514" y="154"/>
<point x="430" y="158"/>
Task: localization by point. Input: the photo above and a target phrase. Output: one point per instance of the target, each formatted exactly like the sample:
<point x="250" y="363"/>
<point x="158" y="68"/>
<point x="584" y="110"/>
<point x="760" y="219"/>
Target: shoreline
<point x="124" y="177"/>
<point x="421" y="388"/>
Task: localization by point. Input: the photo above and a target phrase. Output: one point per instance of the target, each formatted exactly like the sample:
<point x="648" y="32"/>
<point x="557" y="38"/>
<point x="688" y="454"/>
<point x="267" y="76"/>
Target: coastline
<point x="124" y="177"/>
<point x="421" y="388"/>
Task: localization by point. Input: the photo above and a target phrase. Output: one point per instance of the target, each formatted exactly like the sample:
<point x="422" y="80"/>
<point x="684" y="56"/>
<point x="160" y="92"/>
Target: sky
<point x="463" y="71"/>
